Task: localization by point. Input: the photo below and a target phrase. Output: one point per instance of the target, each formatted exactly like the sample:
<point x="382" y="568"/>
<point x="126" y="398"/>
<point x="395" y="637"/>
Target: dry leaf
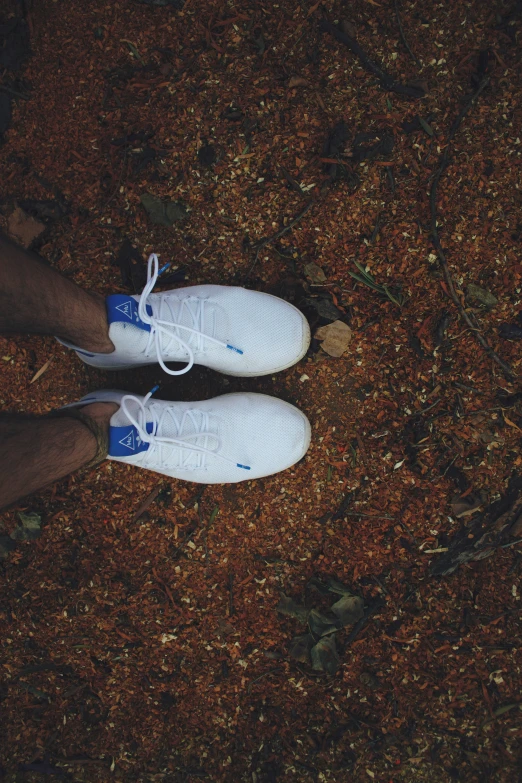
<point x="325" y="657"/>
<point x="163" y="213"/>
<point x="464" y="506"/>
<point x="348" y="28"/>
<point x="314" y="273"/>
<point x="24" y="228"/>
<point x="349" y="609"/>
<point x="41" y="370"/>
<point x="511" y="423"/>
<point x="300" y="647"/>
<point x="335" y="338"/>
<point x="298" y="81"/>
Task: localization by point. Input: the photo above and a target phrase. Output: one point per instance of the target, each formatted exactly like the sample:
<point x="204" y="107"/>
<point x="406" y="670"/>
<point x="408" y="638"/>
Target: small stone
<point x="298" y="81"/>
<point x="481" y="295"/>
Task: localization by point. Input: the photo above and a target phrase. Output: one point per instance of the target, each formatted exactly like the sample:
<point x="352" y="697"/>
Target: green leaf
<point x="391" y="297"/>
<point x="506" y="708"/>
<point x="135" y="52"/>
<point x="363" y="272"/>
<point x="26" y="686"/>
<point x="213" y="515"/>
<point x="337" y="588"/>
<point x="365" y="281"/>
<point x="389" y="104"/>
<point x="328" y="586"/>
<point x="427" y="127"/>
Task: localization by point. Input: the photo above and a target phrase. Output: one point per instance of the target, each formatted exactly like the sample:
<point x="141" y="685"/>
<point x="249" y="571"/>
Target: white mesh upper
<point x="263" y="432"/>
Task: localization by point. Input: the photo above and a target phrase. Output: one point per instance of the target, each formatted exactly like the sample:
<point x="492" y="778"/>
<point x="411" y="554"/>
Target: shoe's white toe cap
<point x="271" y="333"/>
<point x="265" y="433"/>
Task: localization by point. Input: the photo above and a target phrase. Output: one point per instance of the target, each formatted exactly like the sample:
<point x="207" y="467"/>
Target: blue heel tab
<point x="126" y="441"/>
<point x="122" y="308"/>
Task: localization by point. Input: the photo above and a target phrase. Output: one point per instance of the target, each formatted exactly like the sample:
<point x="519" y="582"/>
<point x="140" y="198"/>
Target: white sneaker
<point x="236" y="437"/>
<point x="232" y="330"/>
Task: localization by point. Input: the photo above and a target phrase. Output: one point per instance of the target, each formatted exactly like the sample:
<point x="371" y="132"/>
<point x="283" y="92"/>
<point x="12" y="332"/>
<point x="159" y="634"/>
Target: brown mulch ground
<point x="150" y="649"/>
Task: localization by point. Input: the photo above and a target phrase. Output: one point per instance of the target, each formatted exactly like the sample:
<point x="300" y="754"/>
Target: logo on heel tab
<point x="126" y="309"/>
<point x="128" y="441"/>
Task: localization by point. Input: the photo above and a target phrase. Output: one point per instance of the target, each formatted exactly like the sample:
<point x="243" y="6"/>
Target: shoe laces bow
<point x="168" y="330"/>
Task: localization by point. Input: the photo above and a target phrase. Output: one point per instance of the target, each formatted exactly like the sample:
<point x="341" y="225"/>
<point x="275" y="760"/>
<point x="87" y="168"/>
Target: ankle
<point x="101" y="412"/>
<point x="94" y="335"/>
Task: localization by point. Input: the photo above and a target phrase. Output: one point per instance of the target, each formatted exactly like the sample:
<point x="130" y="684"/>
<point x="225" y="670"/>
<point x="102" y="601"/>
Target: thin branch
<point x="258" y="246"/>
<point x="435" y="234"/>
<point x="14" y="92"/>
<point x="387" y="82"/>
<point x="401" y="31"/>
<point x="146" y="503"/>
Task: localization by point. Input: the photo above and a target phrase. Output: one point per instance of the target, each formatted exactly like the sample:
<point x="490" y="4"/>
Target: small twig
<point x="511" y="543"/>
<point x="425" y="410"/>
<point x="294" y="184"/>
<point x="466" y="388"/>
<point x="384" y="590"/>
<point x="389" y="172"/>
<point x="401" y="31"/>
<point x="231" y="609"/>
<point x="385" y="79"/>
<point x="370" y="516"/>
<point x="435" y="234"/>
<point x="268" y="240"/>
<point x="258" y="246"/>
<point x="265" y="674"/>
<point x="146" y="504"/>
<point x="17" y="94"/>
<point x="379" y="604"/>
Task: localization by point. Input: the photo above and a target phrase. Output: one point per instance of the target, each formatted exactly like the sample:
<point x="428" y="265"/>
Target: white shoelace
<point x="161" y="450"/>
<point x="169" y="328"/>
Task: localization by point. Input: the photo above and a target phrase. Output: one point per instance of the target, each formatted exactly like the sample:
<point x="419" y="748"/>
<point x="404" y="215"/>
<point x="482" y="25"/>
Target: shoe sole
<point x="304" y="347"/>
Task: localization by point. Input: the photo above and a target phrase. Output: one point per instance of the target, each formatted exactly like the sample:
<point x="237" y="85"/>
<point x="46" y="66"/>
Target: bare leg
<point x="36" y="299"/>
<point x="40" y="450"/>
